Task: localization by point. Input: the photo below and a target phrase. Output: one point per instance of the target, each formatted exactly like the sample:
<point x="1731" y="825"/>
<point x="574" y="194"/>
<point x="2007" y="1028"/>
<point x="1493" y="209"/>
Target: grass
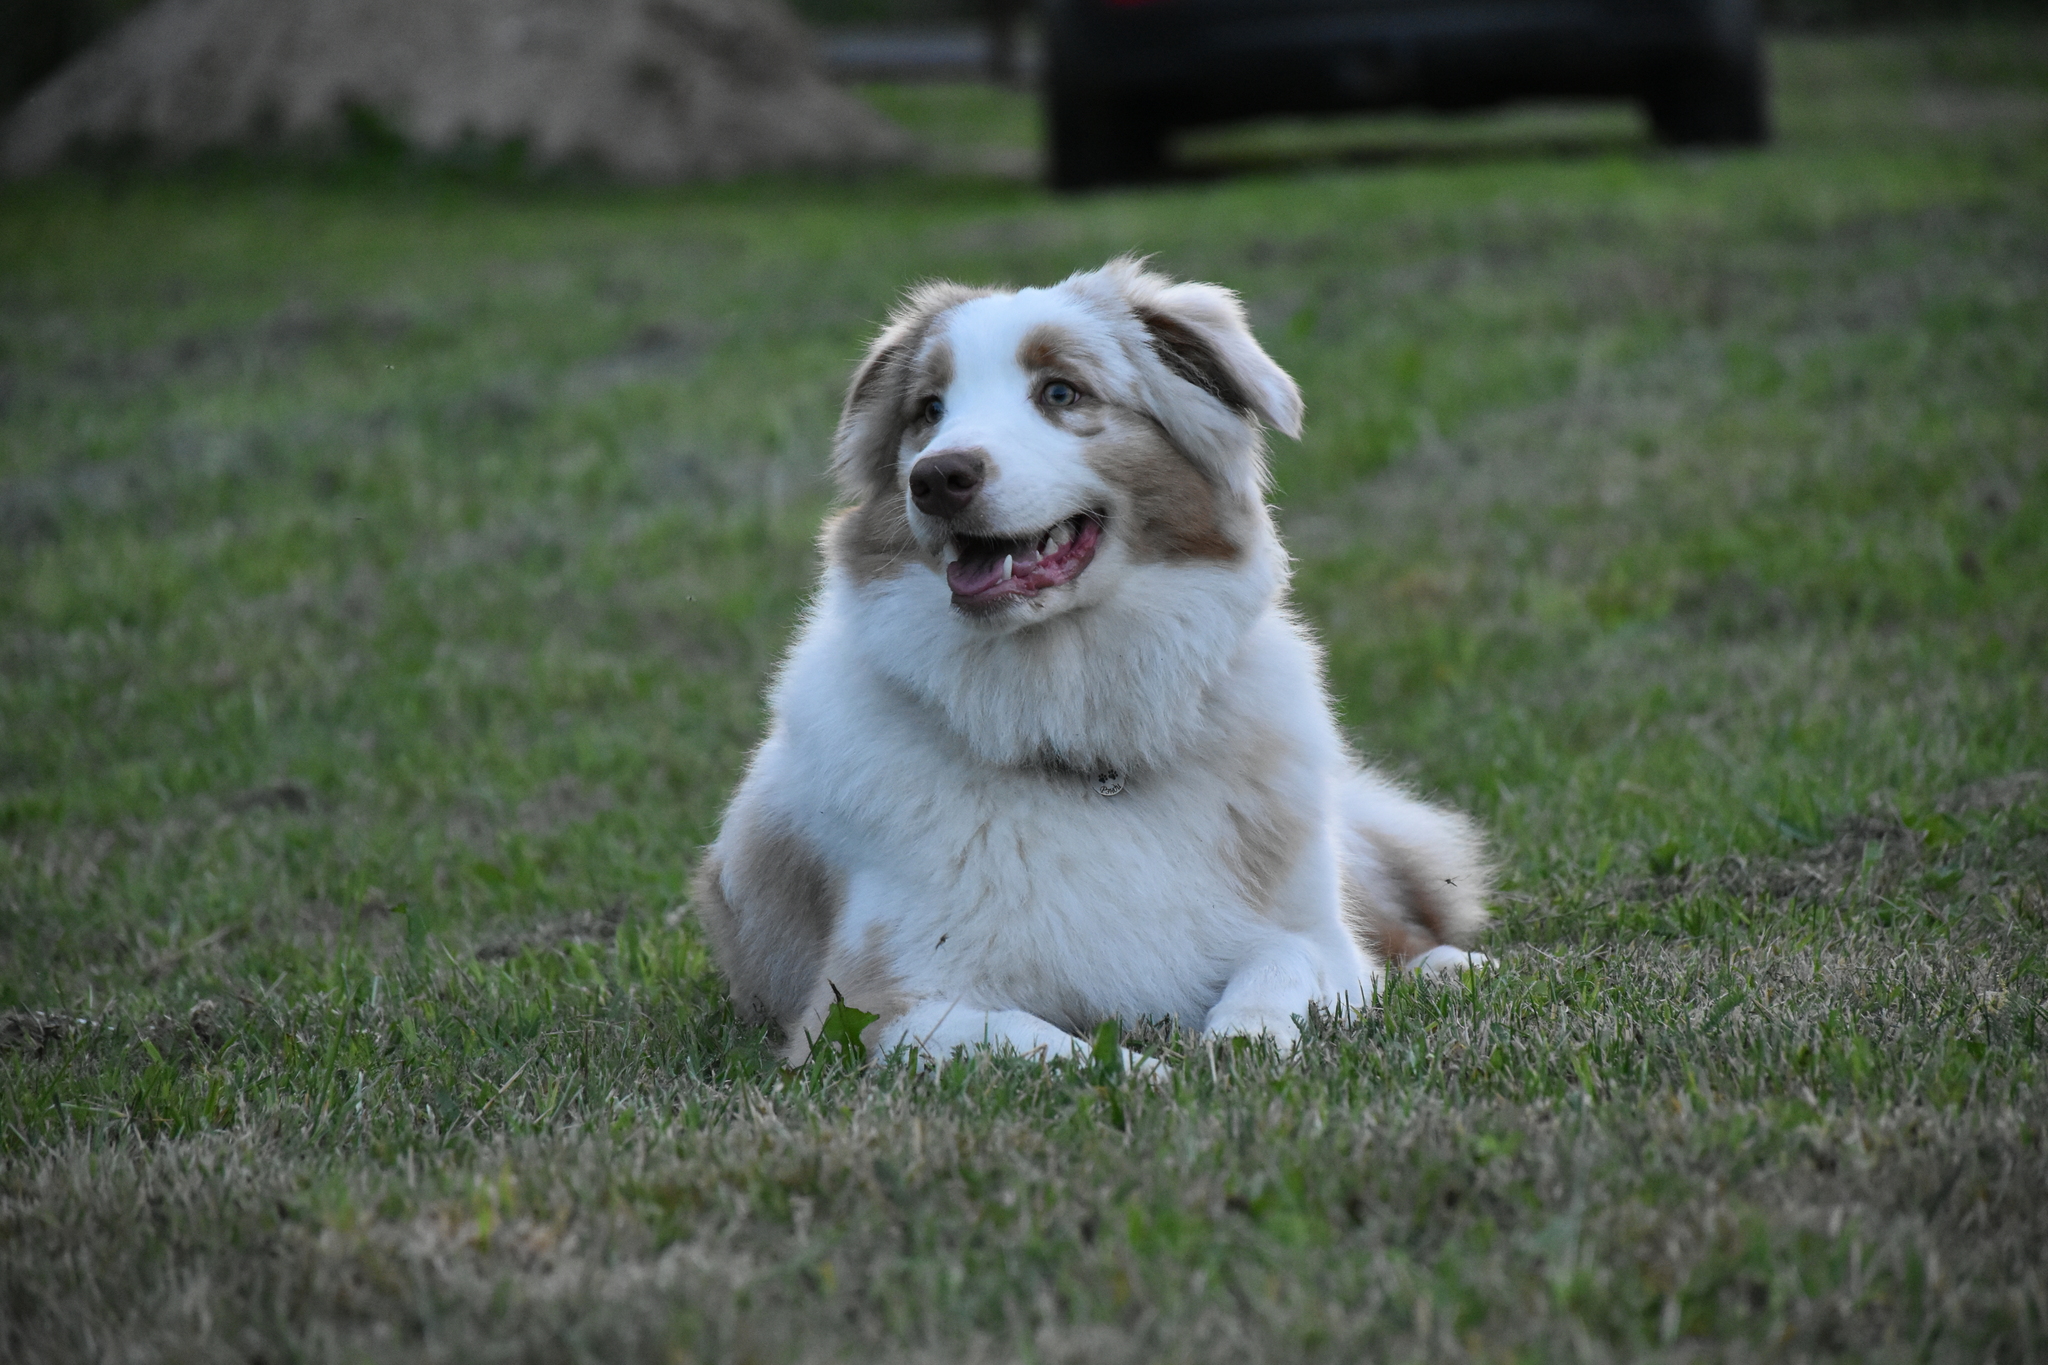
<point x="391" y="560"/>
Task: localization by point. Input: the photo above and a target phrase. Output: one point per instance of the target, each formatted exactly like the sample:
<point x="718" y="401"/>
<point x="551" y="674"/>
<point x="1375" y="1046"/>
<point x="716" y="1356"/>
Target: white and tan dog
<point x="1049" y="748"/>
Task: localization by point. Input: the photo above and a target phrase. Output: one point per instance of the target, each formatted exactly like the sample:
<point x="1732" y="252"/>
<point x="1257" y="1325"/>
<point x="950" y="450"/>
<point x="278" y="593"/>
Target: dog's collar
<point x="1106" y="778"/>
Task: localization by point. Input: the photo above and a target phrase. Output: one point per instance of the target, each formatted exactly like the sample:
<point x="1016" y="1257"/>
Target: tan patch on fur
<point x="1268" y="844"/>
<point x="1175" y="512"/>
<point x="1269" y="830"/>
<point x="877" y="412"/>
<point x="933" y="377"/>
<point x="866" y="981"/>
<point x="1043" y="348"/>
<point x="1422" y="915"/>
<point x="935" y="370"/>
<point x="1048" y="347"/>
<point x="714" y="913"/>
<point x="1381" y="930"/>
<point x="1044" y="993"/>
<point x="1191" y="355"/>
<point x="872" y="541"/>
<point x="768" y="904"/>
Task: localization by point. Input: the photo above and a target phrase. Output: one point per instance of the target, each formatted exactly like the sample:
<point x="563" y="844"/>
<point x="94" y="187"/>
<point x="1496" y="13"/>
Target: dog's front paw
<point x="1253" y="1021"/>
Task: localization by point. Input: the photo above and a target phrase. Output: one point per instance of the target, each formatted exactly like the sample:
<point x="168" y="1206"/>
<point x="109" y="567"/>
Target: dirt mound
<point x="649" y="89"/>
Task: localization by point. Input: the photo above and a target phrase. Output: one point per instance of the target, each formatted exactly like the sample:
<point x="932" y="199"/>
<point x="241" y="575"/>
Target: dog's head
<point x="1031" y="447"/>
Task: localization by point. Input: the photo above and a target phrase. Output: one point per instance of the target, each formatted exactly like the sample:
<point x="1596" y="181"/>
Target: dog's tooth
<point x="1058" y="536"/>
<point x="1009" y="562"/>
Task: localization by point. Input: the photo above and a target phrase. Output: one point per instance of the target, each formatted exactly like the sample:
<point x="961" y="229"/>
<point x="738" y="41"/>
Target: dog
<point x="1049" y="748"/>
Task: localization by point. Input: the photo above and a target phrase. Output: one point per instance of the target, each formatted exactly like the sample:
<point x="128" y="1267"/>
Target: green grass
<point x="391" y="560"/>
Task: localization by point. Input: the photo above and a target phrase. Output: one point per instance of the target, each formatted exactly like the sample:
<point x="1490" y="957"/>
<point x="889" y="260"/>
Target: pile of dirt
<point x="647" y="89"/>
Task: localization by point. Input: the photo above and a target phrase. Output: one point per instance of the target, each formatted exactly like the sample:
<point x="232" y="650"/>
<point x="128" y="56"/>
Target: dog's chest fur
<point x="1020" y="880"/>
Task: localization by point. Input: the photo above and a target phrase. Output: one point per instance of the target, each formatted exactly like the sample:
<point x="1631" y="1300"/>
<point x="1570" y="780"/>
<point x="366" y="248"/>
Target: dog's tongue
<point x="973" y="577"/>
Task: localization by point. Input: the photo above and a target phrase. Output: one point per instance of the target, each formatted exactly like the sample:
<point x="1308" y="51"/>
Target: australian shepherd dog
<point x="1050" y="748"/>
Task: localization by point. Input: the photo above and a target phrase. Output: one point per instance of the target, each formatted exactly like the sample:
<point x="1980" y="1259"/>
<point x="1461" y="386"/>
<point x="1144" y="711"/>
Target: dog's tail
<point x="1415" y="875"/>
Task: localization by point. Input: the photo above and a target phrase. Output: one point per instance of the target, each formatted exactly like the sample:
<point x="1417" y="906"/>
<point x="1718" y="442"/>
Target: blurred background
<point x="952" y="36"/>
<point x="1118" y="78"/>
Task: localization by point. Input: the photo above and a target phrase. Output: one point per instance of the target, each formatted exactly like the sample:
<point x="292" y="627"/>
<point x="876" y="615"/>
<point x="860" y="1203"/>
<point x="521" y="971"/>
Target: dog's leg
<point x="938" y="1027"/>
<point x="1268" y="991"/>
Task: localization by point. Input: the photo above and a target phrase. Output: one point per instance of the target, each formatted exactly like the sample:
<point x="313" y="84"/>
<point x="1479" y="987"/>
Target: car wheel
<point x="1091" y="143"/>
<point x="1720" y="96"/>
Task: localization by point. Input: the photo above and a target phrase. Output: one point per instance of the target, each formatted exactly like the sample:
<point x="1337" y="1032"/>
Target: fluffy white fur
<point x="922" y="828"/>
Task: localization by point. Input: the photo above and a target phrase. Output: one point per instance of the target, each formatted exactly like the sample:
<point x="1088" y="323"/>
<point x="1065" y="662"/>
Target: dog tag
<point x="1109" y="782"/>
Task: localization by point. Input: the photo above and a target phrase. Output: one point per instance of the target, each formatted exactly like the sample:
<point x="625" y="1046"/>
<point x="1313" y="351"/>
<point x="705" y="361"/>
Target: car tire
<point x="1093" y="144"/>
<point x="1721" y="95"/>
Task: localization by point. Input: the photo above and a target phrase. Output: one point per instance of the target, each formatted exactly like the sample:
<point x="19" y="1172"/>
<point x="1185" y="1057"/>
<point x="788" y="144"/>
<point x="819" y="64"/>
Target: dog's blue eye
<point x="1061" y="394"/>
<point x="934" y="409"/>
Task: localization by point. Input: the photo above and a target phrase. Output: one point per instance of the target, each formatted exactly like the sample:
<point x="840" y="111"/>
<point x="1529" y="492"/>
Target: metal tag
<point x="1109" y="782"/>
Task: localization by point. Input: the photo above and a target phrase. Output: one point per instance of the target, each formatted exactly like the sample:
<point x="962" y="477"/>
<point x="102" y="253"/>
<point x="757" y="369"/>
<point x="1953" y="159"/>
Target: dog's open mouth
<point x="985" y="571"/>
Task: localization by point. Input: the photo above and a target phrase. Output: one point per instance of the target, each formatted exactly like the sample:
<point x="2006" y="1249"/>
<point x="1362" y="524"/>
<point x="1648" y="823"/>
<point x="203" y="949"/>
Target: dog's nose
<point x="942" y="485"/>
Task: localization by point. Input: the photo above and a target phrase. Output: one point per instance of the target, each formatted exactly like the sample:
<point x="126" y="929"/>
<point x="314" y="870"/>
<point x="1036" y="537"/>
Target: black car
<point x="1122" y="75"/>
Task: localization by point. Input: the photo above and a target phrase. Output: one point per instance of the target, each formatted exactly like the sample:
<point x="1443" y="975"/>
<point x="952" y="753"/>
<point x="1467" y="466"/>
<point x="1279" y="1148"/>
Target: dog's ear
<point x="1200" y="333"/>
<point x="872" y="422"/>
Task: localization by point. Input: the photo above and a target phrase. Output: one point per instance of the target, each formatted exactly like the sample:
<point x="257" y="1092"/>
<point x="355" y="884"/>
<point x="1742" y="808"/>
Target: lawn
<point x="391" y="560"/>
